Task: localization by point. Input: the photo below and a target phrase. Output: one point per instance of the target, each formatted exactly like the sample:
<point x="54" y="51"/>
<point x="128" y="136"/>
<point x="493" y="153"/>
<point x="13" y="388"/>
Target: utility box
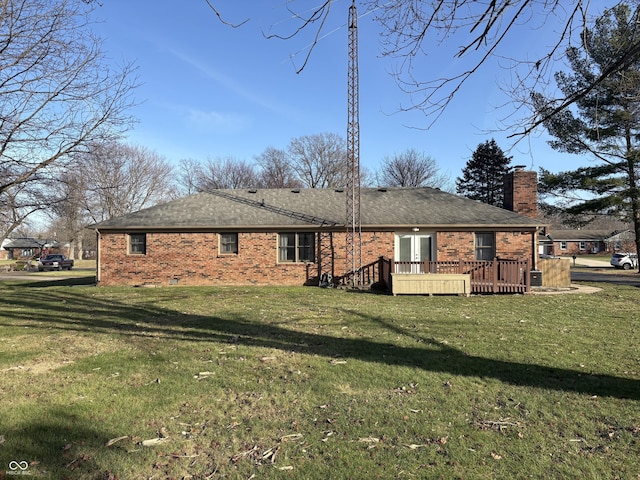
<point x="536" y="278"/>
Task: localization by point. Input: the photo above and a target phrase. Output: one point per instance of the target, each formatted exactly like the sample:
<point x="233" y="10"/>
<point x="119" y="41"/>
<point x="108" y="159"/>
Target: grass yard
<point x="309" y="383"/>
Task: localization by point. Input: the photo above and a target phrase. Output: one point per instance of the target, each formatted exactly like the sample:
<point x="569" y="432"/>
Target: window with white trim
<point x="138" y="243"/>
<point x="485" y="246"/>
<point x="228" y="243"/>
<point x="296" y="247"/>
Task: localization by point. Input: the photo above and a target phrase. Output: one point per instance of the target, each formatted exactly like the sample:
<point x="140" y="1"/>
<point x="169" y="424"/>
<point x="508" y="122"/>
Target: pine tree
<point x="604" y="126"/>
<point x="482" y="176"/>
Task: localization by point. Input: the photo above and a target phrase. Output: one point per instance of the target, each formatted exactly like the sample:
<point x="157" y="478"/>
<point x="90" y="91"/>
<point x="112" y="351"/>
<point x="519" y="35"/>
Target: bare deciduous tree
<point x="187" y="176"/>
<point x="69" y="216"/>
<point x="57" y="96"/>
<point x="276" y="170"/>
<point x="411" y="169"/>
<point x="225" y="173"/>
<point x="319" y="161"/>
<point x="118" y="179"/>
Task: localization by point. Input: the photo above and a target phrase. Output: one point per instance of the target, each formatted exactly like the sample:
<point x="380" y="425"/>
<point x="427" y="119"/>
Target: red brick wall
<point x="193" y="258"/>
<point x="454" y="246"/>
<point x="573" y="248"/>
<point x="521" y="192"/>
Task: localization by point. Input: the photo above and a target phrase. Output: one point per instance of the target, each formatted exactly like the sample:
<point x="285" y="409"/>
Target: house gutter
<point x="324" y="226"/>
<point x="98" y="265"/>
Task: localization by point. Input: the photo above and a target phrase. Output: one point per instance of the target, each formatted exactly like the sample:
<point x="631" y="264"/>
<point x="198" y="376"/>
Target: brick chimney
<point x="521" y="192"/>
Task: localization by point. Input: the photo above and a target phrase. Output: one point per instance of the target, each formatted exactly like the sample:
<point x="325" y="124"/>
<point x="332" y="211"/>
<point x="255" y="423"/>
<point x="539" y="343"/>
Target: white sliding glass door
<point x="411" y="251"/>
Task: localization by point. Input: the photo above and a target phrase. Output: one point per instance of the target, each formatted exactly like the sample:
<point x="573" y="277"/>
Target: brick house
<point x="621" y="241"/>
<point x="298" y="237"/>
<point x="27" y="247"/>
<point x="577" y="242"/>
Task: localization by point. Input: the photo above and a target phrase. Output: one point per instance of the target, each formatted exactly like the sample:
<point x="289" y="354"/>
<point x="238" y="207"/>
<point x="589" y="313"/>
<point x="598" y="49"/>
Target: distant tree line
<point x="311" y="161"/>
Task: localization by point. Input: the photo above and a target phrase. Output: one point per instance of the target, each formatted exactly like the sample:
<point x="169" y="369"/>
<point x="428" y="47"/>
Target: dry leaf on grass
<point x="369" y="439"/>
<point x="116" y="440"/>
<point x="413" y="446"/>
<point x="152" y="442"/>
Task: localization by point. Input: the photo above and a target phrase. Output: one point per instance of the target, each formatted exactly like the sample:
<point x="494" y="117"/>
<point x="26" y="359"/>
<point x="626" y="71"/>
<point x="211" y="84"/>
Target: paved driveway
<point x="44" y="277"/>
<point x="632" y="279"/>
<point x="603" y="272"/>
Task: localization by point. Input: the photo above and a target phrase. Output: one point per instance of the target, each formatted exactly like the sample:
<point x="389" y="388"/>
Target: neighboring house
<point x="624" y="241"/>
<point x="582" y="242"/>
<point x="23" y="248"/>
<point x="4" y="254"/>
<point x="298" y="237"/>
<point x="27" y="247"/>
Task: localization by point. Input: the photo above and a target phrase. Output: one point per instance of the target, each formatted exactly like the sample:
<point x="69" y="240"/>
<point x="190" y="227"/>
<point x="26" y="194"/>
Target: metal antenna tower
<point x="354" y="230"/>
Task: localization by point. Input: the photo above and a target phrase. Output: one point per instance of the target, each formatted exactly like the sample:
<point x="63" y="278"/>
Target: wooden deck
<point x="495" y="276"/>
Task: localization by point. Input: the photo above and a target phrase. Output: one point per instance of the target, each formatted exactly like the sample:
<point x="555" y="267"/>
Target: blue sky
<point x="212" y="91"/>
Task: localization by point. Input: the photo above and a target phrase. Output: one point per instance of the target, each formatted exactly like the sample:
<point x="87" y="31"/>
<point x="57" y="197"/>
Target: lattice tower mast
<point x="354" y="230"/>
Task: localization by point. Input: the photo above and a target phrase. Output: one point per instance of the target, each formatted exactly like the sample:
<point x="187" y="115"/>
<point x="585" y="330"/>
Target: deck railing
<point x="495" y="276"/>
<point x="376" y="273"/>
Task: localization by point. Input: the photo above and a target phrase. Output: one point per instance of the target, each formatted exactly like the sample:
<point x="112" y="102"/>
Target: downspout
<point x="97" y="256"/>
<point x="534" y="261"/>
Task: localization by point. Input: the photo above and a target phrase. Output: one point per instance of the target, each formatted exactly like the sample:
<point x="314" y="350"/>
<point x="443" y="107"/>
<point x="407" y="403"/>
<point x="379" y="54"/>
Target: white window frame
<point x="135" y="246"/>
<point x="231" y="242"/>
<point x="478" y="248"/>
<point x="300" y="248"/>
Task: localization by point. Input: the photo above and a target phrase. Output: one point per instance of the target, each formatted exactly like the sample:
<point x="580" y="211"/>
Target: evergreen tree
<point x="605" y="125"/>
<point x="482" y="176"/>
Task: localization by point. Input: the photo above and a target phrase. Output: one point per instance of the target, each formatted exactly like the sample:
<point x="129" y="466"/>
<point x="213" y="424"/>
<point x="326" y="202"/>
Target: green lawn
<point x="309" y="383"/>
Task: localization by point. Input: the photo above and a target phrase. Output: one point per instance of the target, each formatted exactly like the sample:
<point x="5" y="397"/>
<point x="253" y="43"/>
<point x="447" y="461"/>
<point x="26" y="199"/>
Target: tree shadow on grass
<point x="52" y="282"/>
<point x="110" y="316"/>
<point x="56" y="445"/>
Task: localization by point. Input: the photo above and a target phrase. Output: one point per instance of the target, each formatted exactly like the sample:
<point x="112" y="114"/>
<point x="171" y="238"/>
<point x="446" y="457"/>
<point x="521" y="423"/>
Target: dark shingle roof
<point x="26" y="242"/>
<point x="270" y="208"/>
<point x="579" y="235"/>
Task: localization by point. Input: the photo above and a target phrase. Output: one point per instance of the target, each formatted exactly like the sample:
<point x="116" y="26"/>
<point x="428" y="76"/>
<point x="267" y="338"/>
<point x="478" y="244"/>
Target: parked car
<point x="55" y="262"/>
<point x="626" y="261"/>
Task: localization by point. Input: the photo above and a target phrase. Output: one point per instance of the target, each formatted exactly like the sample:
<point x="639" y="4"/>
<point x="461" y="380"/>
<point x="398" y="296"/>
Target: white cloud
<point x="233" y="85"/>
<point x="215" y="122"/>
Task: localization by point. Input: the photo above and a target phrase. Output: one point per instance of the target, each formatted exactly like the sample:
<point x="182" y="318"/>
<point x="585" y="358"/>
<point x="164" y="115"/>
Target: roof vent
<point x="382" y="189"/>
<point x="253" y="190"/>
<point x="295" y="190"/>
<point x="339" y="190"/>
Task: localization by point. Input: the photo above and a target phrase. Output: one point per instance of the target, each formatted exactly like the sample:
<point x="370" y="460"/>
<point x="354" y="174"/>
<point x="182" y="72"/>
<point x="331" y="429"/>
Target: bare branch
<point x="219" y="15"/>
<point x="319" y="14"/>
